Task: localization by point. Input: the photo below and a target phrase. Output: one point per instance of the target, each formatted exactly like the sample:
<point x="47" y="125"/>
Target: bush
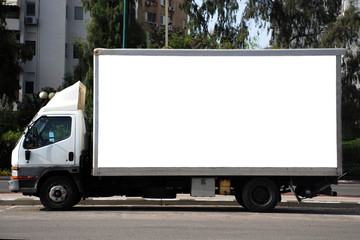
<point x="7" y="144"/>
<point x="351" y="158"/>
<point x="27" y="109"/>
<point x="5" y="172"/>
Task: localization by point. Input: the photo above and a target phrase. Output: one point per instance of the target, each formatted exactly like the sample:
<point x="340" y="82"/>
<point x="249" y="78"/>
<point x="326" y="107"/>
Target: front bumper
<point x="14" y="185"/>
<point x="27" y="187"/>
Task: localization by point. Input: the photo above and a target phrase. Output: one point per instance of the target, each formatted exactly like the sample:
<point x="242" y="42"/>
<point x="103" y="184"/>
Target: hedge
<point x="351" y="159"/>
<point x="7" y="143"/>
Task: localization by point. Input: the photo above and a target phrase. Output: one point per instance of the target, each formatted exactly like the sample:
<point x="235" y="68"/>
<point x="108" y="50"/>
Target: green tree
<point x="227" y="32"/>
<point x="68" y="80"/>
<point x="106" y="27"/>
<point x="180" y="39"/>
<point x="344" y="32"/>
<point x="12" y="53"/>
<point x="294" y="23"/>
<point x="7" y="116"/>
<point x="192" y="39"/>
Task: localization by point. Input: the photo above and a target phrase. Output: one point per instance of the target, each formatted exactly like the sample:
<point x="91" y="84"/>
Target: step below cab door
<point x="50" y="141"/>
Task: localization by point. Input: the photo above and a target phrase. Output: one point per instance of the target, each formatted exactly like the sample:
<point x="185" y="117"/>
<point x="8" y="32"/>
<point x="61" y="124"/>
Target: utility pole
<point x="166" y="23"/>
<point x="124" y="25"/>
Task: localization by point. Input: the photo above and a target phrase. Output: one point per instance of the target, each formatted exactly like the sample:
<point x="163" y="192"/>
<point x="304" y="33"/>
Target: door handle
<point x="27" y="155"/>
<point x="71" y="156"/>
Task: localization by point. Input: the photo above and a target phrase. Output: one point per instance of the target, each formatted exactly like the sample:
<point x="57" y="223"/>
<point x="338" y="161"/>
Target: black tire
<point x="78" y="199"/>
<point x="239" y="198"/>
<point x="58" y="193"/>
<point x="260" y="195"/>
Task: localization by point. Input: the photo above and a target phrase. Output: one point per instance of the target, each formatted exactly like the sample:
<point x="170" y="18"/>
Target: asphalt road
<point x="32" y="222"/>
<point x="4" y="186"/>
<point x="342" y="189"/>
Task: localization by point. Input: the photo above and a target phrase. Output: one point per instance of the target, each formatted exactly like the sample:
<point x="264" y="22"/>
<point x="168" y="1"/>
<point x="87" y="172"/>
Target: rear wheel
<point x="58" y="193"/>
<point x="260" y="195"/>
<point x="239" y="197"/>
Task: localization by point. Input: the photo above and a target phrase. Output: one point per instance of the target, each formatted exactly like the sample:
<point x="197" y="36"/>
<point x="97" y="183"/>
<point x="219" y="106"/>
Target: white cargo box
<point x="217" y="112"/>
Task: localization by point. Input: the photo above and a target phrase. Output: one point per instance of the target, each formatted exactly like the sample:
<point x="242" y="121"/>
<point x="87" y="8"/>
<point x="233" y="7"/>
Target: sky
<point x="261" y="33"/>
<point x="255" y="31"/>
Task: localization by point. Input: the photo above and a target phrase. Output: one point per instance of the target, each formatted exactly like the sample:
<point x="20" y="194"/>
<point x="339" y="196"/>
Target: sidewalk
<point x="185" y="199"/>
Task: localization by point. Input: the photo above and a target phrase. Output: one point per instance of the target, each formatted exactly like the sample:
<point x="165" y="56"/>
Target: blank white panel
<point x="198" y="111"/>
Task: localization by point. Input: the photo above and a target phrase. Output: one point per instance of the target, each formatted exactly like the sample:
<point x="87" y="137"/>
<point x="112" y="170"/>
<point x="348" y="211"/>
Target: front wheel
<point x="58" y="193"/>
<point x="260" y="195"/>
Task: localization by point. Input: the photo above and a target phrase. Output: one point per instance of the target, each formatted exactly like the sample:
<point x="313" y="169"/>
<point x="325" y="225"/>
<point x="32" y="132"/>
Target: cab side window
<point x="46" y="131"/>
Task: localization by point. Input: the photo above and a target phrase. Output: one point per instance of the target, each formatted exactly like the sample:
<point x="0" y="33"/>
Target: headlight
<point x="14" y="173"/>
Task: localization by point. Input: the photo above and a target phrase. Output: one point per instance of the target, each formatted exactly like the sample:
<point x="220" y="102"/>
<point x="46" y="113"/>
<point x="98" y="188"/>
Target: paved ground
<point x="12" y="199"/>
<point x="179" y="222"/>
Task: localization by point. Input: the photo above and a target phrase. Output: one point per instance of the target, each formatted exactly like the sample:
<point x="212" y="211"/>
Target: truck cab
<point x="52" y="144"/>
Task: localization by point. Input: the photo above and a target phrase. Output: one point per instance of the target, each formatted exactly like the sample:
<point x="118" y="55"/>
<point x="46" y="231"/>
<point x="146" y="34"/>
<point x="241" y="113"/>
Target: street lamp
<point x="51" y="95"/>
<point x="44" y="95"/>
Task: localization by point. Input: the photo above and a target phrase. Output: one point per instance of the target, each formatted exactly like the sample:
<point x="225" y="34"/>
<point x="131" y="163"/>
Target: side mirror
<point x="27" y="155"/>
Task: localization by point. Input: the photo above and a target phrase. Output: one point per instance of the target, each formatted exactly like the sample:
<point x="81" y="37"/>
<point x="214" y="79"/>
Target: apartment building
<point x="48" y="27"/>
<point x="154" y="14"/>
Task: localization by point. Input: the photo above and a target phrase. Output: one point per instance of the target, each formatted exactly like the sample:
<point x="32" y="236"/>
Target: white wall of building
<point x="75" y="29"/>
<point x="53" y="32"/>
<point x="51" y="42"/>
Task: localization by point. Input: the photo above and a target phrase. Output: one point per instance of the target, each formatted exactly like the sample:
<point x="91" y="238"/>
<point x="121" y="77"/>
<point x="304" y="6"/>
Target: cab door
<point x="50" y="141"/>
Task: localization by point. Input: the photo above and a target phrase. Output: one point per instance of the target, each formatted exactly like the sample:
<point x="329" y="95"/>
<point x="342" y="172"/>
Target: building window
<point x="162" y="20"/>
<point x="76" y="51"/>
<point x="163" y="3"/>
<point x="78" y="15"/>
<point x="29" y="87"/>
<point x="150" y="17"/>
<point x="31" y="45"/>
<point x="30" y="9"/>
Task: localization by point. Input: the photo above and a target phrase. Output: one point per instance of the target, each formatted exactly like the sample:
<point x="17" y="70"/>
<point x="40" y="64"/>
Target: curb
<point x="349" y="181"/>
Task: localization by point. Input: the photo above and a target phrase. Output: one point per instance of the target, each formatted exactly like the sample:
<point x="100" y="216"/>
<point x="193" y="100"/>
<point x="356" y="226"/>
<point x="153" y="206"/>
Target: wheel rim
<point x="260" y="195"/>
<point x="58" y="193"/>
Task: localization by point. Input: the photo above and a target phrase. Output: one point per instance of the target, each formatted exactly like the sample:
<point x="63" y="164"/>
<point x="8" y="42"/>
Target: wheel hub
<point x="58" y="193"/>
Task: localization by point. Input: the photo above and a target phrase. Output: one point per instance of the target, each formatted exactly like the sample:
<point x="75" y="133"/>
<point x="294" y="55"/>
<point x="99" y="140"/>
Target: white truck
<point x="249" y="123"/>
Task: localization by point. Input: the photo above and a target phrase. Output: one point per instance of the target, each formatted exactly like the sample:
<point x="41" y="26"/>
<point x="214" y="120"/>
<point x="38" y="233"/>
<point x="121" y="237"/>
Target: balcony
<point x="12" y="24"/>
<point x="12" y="3"/>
